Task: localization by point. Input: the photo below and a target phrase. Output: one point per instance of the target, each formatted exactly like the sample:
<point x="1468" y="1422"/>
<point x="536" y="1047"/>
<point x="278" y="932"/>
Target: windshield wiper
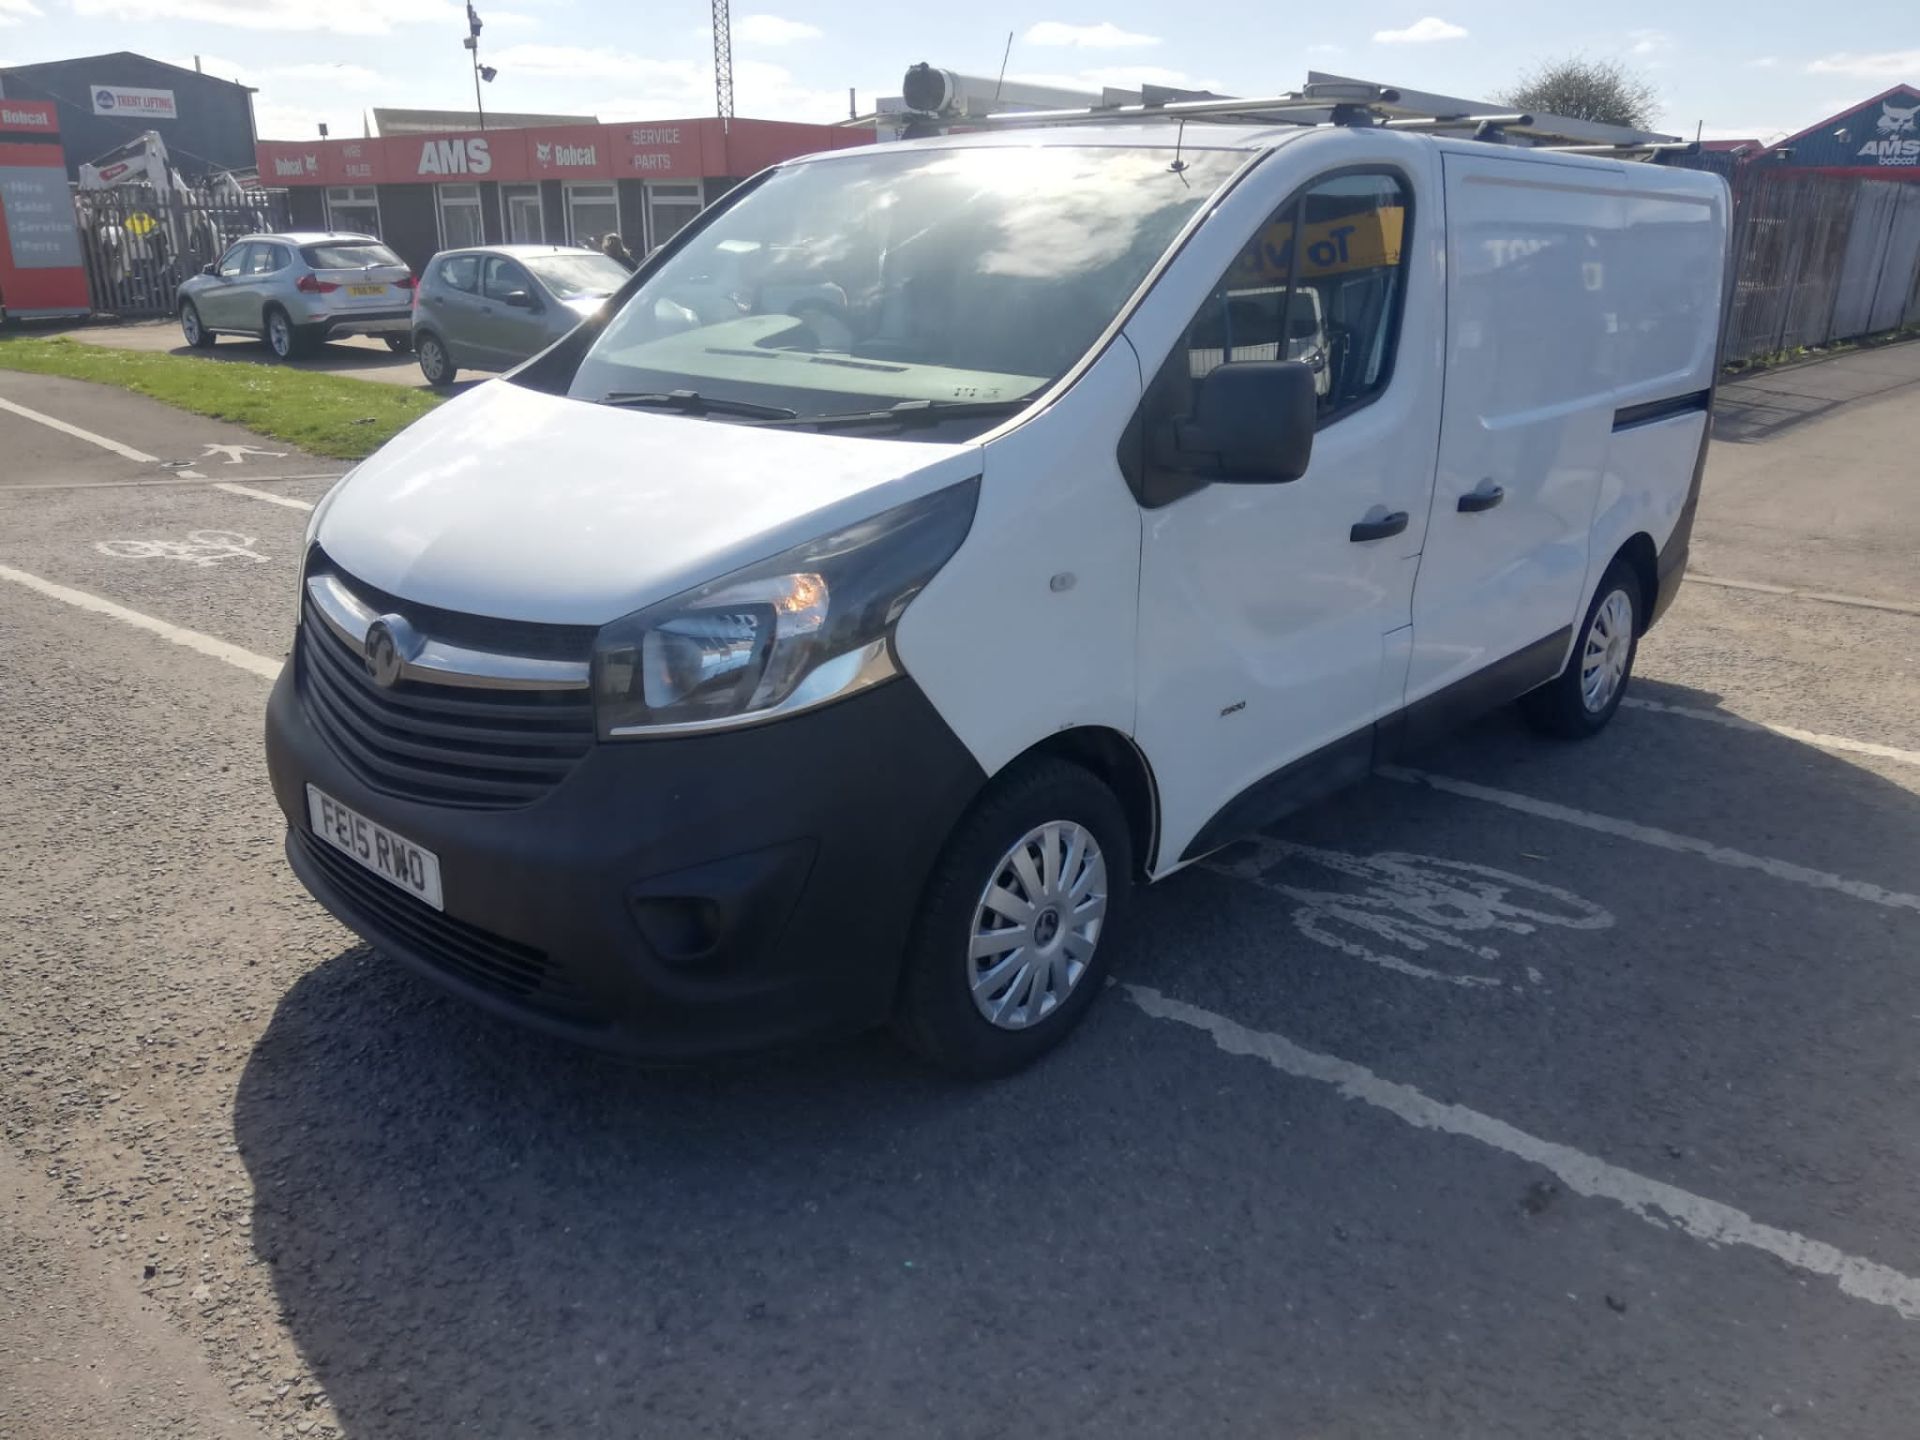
<point x="912" y="412"/>
<point x="692" y="402"/>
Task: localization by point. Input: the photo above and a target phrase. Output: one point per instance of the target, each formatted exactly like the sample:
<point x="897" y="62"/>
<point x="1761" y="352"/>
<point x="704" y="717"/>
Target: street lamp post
<point x="472" y="43"/>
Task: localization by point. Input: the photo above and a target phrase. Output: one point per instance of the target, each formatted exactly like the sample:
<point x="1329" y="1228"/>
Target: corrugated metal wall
<point x="1819" y="258"/>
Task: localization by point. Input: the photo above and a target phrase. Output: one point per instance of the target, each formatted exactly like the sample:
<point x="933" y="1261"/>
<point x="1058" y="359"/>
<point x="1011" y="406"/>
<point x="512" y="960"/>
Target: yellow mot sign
<point x="1366" y="241"/>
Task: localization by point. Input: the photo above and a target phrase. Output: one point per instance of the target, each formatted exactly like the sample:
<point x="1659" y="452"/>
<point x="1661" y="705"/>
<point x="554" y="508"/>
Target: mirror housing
<point x="1252" y="424"/>
<point x="210" y="268"/>
<point x="517" y="300"/>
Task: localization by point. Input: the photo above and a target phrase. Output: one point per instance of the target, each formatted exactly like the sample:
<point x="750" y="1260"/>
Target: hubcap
<point x="277" y="332"/>
<point x="432" y="359"/>
<point x="191" y="323"/>
<point x="1037" y="923"/>
<point x="1609" y="648"/>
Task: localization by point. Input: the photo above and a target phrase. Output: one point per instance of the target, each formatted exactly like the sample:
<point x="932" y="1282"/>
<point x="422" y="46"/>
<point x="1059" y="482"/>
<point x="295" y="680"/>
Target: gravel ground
<point x="1575" y="1098"/>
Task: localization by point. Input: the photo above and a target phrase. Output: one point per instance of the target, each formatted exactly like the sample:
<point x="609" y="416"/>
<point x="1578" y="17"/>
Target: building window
<point x="592" y="214"/>
<point x="526" y="225"/>
<point x="353" y="207"/>
<point x="669" y="208"/>
<point x="460" y="224"/>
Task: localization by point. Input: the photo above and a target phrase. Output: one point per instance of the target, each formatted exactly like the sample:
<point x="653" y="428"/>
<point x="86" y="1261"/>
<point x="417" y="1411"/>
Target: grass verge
<point x="321" y="414"/>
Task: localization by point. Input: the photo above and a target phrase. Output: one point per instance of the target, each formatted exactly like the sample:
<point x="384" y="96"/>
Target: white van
<point x="848" y="641"/>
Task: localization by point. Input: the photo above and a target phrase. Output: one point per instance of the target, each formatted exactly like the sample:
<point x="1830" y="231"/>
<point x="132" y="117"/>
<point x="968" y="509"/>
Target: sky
<point x="1737" y="69"/>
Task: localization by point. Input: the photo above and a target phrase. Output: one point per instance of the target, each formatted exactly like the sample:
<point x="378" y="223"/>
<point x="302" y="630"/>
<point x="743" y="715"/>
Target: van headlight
<point x="808" y="626"/>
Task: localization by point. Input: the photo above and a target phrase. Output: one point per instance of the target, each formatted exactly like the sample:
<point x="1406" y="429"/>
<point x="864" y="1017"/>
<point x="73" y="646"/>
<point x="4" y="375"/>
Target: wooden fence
<point x="1819" y="258"/>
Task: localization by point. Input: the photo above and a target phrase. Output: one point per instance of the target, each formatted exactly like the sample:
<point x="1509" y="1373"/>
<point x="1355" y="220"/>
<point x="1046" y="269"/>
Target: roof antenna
<point x="1179" y="139"/>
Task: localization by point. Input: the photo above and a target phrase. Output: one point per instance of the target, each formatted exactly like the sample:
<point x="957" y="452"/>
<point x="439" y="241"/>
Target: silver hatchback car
<point x="493" y="306"/>
<point x="297" y="290"/>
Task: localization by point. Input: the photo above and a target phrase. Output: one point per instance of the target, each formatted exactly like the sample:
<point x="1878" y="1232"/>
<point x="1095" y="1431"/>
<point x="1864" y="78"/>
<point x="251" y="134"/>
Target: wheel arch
<point x="1118" y="763"/>
<point x="1639" y="553"/>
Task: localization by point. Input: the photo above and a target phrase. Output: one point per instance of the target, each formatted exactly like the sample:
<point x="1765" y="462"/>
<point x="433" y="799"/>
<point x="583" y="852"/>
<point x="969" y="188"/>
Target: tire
<point x="1576" y="704"/>
<point x="436" y="365"/>
<point x="197" y="334"/>
<point x="285" y="339"/>
<point x="1040" y="804"/>
<point x="399" y="344"/>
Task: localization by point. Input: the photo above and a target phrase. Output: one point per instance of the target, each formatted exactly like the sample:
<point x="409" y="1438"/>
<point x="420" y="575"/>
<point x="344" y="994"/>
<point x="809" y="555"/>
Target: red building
<point x="41" y="270"/>
<point x="560" y="185"/>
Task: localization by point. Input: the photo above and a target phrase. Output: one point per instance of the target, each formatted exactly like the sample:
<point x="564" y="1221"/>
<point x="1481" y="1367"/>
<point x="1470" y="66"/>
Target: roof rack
<point x="1341" y="100"/>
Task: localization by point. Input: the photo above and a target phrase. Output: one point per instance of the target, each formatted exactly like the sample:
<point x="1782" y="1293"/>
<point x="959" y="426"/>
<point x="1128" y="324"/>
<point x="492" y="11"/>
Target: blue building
<point x="1877" y="139"/>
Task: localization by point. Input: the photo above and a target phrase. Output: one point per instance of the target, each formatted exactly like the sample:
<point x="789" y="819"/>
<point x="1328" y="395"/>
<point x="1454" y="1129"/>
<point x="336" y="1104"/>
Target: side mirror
<point x="210" y="268"/>
<point x="1252" y="424"/>
<point x="518" y="300"/>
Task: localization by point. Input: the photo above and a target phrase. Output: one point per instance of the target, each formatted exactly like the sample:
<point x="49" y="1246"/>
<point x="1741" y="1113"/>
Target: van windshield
<point x="973" y="275"/>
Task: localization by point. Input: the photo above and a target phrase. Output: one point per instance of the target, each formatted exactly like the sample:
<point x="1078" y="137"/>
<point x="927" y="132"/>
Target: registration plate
<point x="366" y="289"/>
<point x="392" y="857"/>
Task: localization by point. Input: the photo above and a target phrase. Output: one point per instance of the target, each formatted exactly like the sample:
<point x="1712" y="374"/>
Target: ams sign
<point x="455" y="157"/>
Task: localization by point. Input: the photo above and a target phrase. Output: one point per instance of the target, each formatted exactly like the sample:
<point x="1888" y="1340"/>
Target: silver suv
<point x="297" y="290"/>
<point x="491" y="307"/>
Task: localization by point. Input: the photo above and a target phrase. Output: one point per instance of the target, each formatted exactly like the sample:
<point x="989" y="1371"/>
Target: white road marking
<point x="1654" y="1201"/>
<point x="74" y="430"/>
<point x="1827" y="597"/>
<point x="266" y="495"/>
<point x="192" y="639"/>
<point x="204" y="548"/>
<point x="236" y="454"/>
<point x="1786" y="732"/>
<point x="1410" y="902"/>
<point x="1660" y="839"/>
<point x="178" y="477"/>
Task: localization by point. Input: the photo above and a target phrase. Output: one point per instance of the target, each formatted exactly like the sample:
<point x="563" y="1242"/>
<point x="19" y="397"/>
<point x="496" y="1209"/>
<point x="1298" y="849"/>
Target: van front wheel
<point x="1582" y="699"/>
<point x="1016" y="927"/>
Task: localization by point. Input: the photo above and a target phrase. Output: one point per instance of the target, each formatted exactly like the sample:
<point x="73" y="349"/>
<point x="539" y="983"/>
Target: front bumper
<point x="674" y="898"/>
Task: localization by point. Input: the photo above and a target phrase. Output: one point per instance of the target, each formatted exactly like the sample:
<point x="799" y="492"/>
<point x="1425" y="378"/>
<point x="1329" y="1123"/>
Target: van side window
<point x="1336" y="312"/>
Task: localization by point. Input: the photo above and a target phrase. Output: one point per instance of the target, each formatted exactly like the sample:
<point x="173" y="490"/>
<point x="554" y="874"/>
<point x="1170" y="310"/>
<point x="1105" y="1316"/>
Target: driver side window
<point x="503" y="277"/>
<point x="233" y="264"/>
<point x="1337" y="311"/>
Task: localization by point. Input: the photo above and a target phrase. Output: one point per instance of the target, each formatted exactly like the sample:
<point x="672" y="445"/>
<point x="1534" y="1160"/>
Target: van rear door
<point x="1531" y="360"/>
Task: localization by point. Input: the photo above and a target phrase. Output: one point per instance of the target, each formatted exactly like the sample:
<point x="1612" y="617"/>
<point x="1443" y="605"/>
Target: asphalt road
<point x="1544" y="1090"/>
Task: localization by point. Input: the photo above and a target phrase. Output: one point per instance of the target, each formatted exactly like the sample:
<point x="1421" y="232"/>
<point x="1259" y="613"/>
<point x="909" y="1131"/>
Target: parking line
<point x="1825" y="597"/>
<point x="192" y="639"/>
<point x="74" y="430"/>
<point x="1660" y="839"/>
<point x="1786" y="732"/>
<point x="266" y="495"/>
<point x="1665" y="1206"/>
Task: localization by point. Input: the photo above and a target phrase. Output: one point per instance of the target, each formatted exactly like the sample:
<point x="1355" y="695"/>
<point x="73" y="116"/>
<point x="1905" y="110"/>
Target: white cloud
<point x="1764" y="62"/>
<point x="1422" y="32"/>
<point x="1104" y="36"/>
<point x="1884" y="65"/>
<point x="343" y="17"/>
<point x="1649" y="42"/>
<point x="12" y="12"/>
<point x="773" y="30"/>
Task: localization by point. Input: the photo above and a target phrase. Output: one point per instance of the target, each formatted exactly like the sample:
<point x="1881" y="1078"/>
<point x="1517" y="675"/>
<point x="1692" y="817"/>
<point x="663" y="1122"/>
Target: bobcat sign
<point x="1879" y="137"/>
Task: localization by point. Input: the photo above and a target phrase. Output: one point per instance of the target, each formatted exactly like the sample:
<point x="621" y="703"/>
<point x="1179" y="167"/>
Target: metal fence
<point x="139" y="244"/>
<point x="1819" y="258"/>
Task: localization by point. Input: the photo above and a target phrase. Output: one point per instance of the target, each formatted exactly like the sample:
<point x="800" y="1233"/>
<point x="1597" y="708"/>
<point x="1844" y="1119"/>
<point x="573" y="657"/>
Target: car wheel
<point x="1016" y="925"/>
<point x="197" y="334"/>
<point x="283" y="337"/>
<point x="435" y="364"/>
<point x="398" y="344"/>
<point x="1582" y="698"/>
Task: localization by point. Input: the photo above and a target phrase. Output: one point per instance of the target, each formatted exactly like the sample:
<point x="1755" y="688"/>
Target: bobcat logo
<point x="543" y="150"/>
<point x="1895" y="121"/>
<point x="312" y="164"/>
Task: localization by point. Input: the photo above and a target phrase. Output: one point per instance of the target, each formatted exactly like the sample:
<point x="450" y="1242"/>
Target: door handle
<point x="1485" y="498"/>
<point x="1379" y="529"/>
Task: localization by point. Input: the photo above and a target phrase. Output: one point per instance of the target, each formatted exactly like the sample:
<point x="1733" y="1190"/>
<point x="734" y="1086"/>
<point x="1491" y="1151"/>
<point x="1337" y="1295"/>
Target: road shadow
<point x="473" y="1230"/>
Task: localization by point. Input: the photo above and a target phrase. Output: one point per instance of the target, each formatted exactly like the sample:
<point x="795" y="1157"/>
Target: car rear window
<point x="348" y="255"/>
